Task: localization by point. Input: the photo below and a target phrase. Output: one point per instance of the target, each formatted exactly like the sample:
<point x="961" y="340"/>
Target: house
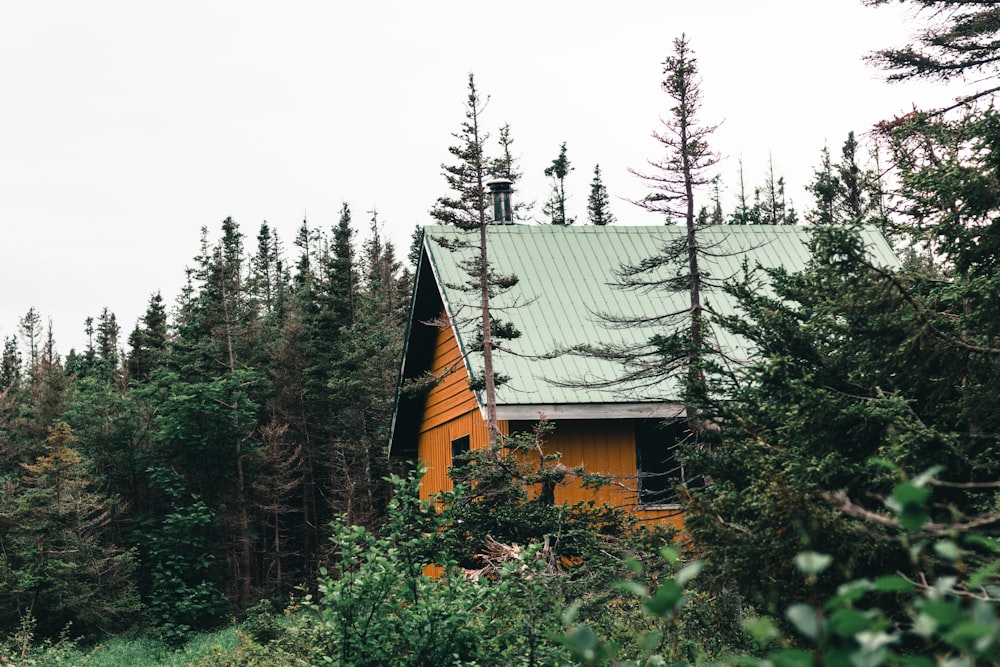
<point x="567" y="285"/>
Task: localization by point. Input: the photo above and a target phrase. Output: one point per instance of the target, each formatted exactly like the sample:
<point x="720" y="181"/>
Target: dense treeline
<point x="846" y="482"/>
<point x="195" y="466"/>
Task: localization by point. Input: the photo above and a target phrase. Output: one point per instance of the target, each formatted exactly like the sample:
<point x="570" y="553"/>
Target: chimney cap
<point x="500" y="184"/>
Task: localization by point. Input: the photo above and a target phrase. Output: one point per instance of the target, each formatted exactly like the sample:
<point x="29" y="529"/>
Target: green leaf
<point x="667" y="598"/>
<point x="943" y="612"/>
<point x="848" y="622"/>
<point x="761" y="629"/>
<point x="913" y="517"/>
<point x="811" y="562"/>
<point x="850" y="592"/>
<point x="909" y="493"/>
<point x="571" y="612"/>
<point x="805" y="619"/>
<point x="947" y="549"/>
<point x="793" y="658"/>
<point x="990" y="543"/>
<point x="922" y="479"/>
<point x="893" y="583"/>
<point x="689" y="572"/>
<point x="980" y="576"/>
<point x="633" y="587"/>
<point x="670" y="554"/>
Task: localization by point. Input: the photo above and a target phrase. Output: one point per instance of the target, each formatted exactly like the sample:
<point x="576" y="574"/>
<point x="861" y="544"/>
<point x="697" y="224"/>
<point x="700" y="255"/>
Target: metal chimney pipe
<point x="501" y="189"/>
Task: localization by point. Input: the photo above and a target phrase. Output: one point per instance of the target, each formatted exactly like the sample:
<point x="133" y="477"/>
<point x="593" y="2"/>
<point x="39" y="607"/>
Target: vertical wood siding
<point x="451" y="411"/>
<point x="607" y="447"/>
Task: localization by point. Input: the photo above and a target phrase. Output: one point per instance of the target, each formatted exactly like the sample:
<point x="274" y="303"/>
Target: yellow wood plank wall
<point x="606" y="447"/>
<point x="451" y="411"/>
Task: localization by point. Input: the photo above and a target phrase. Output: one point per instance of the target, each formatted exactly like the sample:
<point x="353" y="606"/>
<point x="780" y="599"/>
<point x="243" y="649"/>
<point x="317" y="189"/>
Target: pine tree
<point x="10" y="365"/>
<point x="30" y="329"/>
<point x="746" y="213"/>
<point x="59" y="563"/>
<point x="466" y="209"/>
<point x="506" y="165"/>
<point x="467" y="204"/>
<point x="598" y="205"/>
<point x="844" y="192"/>
<point x="958" y="40"/>
<point x="674" y="183"/>
<point x="773" y="207"/>
<point x="108" y="333"/>
<point x="555" y="207"/>
<point x="148" y="341"/>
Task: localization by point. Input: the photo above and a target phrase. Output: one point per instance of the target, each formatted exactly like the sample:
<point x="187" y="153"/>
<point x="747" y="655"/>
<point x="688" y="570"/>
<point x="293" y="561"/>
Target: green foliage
<point x="842" y="382"/>
<point x="179" y="555"/>
<point x="58" y="563"/>
<point x="377" y="606"/>
<point x="959" y="39"/>
<point x="555" y="207"/>
<point x="945" y="616"/>
<point x="598" y="203"/>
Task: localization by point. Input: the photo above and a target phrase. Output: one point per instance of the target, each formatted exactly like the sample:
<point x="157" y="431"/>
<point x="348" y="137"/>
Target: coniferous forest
<point x="213" y="487"/>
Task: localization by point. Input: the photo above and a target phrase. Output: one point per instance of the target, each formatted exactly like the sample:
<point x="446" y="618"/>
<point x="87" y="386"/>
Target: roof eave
<point x="573" y="411"/>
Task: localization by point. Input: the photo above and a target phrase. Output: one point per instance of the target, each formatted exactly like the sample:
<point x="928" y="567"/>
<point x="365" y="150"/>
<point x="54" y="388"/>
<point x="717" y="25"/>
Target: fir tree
<point x="958" y="40"/>
<point x="674" y="182"/>
<point x="598" y="205"/>
<point x="466" y="209"/>
<point x="59" y="562"/>
<point x="506" y="165"/>
<point x="555" y="207"/>
<point x="466" y="205"/>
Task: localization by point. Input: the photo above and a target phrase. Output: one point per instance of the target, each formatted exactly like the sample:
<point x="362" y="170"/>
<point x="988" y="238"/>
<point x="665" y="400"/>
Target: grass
<point x="133" y="652"/>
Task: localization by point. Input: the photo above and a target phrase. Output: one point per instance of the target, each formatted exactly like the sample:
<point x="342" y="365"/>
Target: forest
<point x="214" y="487"/>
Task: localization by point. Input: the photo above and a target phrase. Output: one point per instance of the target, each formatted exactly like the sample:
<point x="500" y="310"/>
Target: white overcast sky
<point x="125" y="127"/>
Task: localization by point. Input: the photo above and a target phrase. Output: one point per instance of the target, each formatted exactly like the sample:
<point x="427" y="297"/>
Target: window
<point x="459" y="446"/>
<point x="659" y="471"/>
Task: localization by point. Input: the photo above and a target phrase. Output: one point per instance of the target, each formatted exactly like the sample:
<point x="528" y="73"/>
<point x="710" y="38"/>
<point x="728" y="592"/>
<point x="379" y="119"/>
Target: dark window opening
<point x="459" y="448"/>
<point x="659" y="470"/>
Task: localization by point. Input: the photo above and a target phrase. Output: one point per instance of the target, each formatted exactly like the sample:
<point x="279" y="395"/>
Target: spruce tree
<point x="959" y="40"/>
<point x="466" y="205"/>
<point x="466" y="208"/>
<point x="10" y="365"/>
<point x="674" y="183"/>
<point x="506" y="165"/>
<point x="598" y="204"/>
<point x="555" y="207"/>
<point x="60" y="564"/>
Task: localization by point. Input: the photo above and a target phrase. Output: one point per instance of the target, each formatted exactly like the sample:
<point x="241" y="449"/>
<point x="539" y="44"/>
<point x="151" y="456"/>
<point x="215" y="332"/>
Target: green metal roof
<point x="567" y="280"/>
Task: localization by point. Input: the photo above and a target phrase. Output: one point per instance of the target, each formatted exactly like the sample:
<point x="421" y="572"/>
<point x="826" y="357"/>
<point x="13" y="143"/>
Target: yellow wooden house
<point x="567" y="293"/>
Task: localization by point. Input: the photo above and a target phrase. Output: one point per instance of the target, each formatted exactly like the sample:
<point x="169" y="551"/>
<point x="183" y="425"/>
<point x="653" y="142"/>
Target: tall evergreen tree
<point x="148" y="341"/>
<point x="774" y="208"/>
<point x="844" y="192"/>
<point x="747" y="212"/>
<point x="506" y="165"/>
<point x="466" y="208"/>
<point x="555" y="207"/>
<point x="60" y="565"/>
<point x="10" y="365"/>
<point x="466" y="205"/>
<point x="674" y="183"/>
<point x="108" y="334"/>
<point x="30" y="329"/>
<point x="598" y="204"/>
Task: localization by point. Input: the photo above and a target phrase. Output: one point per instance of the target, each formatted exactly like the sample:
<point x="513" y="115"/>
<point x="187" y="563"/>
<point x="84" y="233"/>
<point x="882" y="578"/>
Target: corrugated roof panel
<point x="568" y="278"/>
